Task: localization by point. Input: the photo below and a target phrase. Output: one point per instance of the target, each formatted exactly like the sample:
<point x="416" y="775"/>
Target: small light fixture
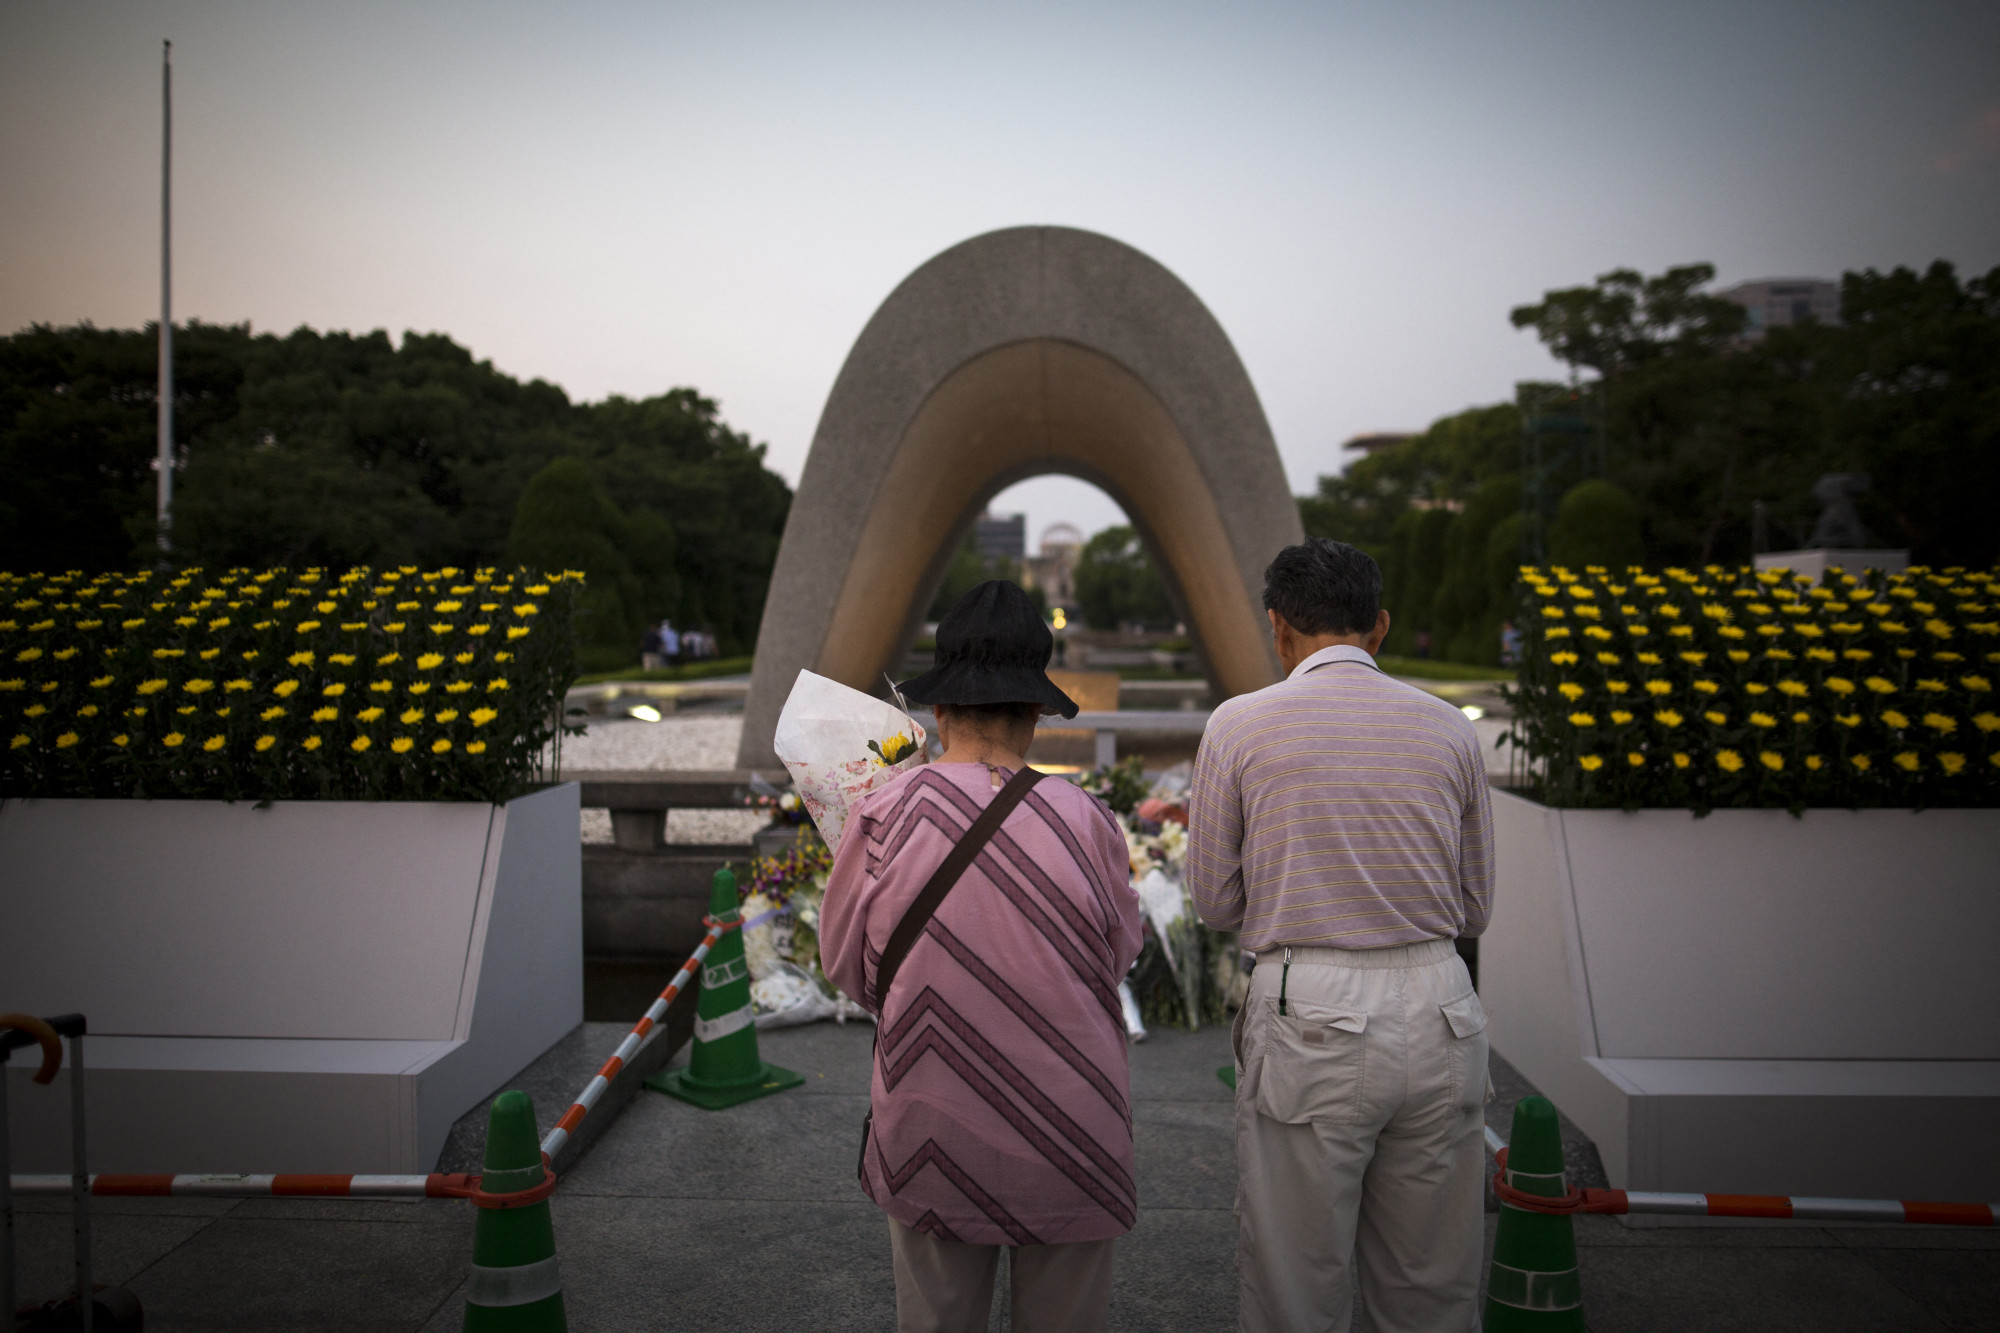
<point x="644" y="712"/>
<point x="1060" y="621"/>
<point x="1473" y="711"/>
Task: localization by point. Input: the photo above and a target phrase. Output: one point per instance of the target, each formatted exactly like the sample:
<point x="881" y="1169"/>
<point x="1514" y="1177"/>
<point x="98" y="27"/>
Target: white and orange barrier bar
<point x="634" y="1039"/>
<point x="437" y="1185"/>
<point x="1774" y="1206"/>
<point x="434" y="1186"/>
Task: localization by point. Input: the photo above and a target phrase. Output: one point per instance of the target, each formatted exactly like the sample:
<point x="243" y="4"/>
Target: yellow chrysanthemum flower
<point x="1582" y="720"/>
<point x="440" y="746"/>
<point x="430" y="661"/>
<point x="1771" y="760"/>
<point x="1728" y="761"/>
<point x="1908" y="761"/>
<point x="497" y="683"/>
<point x="481" y="716"/>
<point x="1940" y="723"/>
<point x="1895" y="719"/>
<point x="153" y="686"/>
<point x="265" y="742"/>
<point x="1814" y="762"/>
<point x="172" y="740"/>
<point x="1878" y="685"/>
<point x="1570" y="690"/>
<point x="402" y="744"/>
<point x="1591" y="763"/>
<point x="1682" y="759"/>
<point x="285" y="689"/>
<point x="1635" y="759"/>
<point x="517" y="632"/>
<point x="1716" y="717"/>
<point x="213" y="743"/>
<point x="20" y="740"/>
<point x="477" y="747"/>
<point x="1952" y="762"/>
<point x="359" y="744"/>
<point x="446" y="715"/>
<point x="312" y="743"/>
<point x="1659" y="688"/>
<point x="1763" y="720"/>
<point x="1619" y="717"/>
<point x="1987" y="721"/>
<point x="325" y="714"/>
<point x="67" y="739"/>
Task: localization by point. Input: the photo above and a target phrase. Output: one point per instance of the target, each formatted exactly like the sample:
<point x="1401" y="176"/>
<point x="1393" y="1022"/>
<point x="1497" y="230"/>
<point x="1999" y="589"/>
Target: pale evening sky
<point x="625" y="198"/>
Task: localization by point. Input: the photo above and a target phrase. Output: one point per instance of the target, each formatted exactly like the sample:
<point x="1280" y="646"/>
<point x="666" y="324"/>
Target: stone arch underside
<point x="1018" y="353"/>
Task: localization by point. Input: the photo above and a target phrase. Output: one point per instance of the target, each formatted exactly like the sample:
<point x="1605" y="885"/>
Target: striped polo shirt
<point x="1342" y="808"/>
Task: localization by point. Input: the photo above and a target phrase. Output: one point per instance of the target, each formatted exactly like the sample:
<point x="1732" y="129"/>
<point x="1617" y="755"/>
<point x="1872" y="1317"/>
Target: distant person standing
<point x="1423" y="645"/>
<point x="670" y="642"/>
<point x="649" y="649"/>
<point x="1510" y="644"/>
<point x="1341" y="821"/>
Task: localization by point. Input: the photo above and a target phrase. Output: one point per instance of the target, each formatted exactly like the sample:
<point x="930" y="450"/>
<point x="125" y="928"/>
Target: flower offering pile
<point x="396" y="685"/>
<point x="1725" y="688"/>
<point x="839" y="744"/>
<point x="780" y="906"/>
<point x="1186" y="974"/>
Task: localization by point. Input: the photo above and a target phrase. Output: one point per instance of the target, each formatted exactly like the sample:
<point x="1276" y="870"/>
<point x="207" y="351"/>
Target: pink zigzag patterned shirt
<point x="1002" y="1114"/>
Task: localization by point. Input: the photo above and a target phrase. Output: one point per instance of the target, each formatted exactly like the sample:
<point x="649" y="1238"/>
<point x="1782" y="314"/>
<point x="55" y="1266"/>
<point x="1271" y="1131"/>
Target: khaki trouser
<point x="1359" y="1144"/>
<point x="946" y="1286"/>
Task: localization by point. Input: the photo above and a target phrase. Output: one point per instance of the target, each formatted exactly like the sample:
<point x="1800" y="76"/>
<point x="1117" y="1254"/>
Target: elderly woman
<point x="999" y="1109"/>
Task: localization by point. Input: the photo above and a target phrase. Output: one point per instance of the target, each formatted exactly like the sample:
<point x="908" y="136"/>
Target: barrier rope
<point x="1798" y="1208"/>
<point x="637" y="1037"/>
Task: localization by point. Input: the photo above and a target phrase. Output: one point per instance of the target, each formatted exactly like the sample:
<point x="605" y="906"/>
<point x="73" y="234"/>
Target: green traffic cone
<point x="725" y="1069"/>
<point x="515" y="1287"/>
<point x="1534" y="1282"/>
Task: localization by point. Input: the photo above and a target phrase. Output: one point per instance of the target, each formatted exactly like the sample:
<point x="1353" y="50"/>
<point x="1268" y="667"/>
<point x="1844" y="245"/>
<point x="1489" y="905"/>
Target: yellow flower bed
<point x="1734" y="688"/>
<point x="401" y="684"/>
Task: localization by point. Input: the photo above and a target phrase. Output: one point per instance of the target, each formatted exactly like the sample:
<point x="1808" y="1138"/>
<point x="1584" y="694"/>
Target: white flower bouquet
<point x="839" y="744"/>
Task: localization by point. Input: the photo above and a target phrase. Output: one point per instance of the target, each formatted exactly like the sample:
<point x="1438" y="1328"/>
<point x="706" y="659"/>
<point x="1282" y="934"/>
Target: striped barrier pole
<point x="637" y="1037"/>
<point x="1796" y="1208"/>
<point x="436" y="1185"/>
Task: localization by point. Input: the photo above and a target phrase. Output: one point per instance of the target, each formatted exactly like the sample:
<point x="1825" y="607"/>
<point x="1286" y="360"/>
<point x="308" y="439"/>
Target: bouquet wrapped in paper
<point x="839" y="744"/>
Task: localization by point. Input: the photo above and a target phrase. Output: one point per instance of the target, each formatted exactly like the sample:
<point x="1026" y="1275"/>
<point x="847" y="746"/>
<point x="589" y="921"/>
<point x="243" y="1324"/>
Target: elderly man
<point x="1340" y="820"/>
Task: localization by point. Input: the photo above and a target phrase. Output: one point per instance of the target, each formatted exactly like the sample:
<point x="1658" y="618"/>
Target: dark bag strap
<point x="907" y="931"/>
<point x="919" y="914"/>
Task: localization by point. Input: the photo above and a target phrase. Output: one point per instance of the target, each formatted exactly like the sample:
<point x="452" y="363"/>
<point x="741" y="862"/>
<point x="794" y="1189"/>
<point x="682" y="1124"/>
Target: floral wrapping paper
<point x="839" y="744"/>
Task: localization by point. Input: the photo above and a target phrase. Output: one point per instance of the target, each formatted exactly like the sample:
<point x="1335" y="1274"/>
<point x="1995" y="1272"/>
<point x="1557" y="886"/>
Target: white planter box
<point x="315" y="986"/>
<point x="1752" y="1003"/>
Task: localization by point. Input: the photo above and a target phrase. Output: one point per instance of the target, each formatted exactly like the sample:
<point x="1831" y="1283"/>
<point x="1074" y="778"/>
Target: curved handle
<point x="43" y="1033"/>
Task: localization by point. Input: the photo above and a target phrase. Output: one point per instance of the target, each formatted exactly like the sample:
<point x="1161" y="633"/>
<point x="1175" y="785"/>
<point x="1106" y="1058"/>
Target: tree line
<point x="1675" y="433"/>
<point x="336" y="449"/>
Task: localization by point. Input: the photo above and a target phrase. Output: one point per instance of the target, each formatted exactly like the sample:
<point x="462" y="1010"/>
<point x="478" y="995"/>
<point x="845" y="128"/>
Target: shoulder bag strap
<point x="907" y="931"/>
<point x="904" y="937"/>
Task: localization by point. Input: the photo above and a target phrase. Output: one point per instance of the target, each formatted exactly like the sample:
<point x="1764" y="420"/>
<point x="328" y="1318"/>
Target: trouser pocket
<point x="1312" y="1061"/>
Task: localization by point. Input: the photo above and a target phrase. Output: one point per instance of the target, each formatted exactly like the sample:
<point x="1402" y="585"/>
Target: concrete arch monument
<point x="1022" y="352"/>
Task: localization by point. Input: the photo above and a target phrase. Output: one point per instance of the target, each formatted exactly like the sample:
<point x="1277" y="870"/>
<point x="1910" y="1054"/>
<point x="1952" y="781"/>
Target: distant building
<point x="1002" y="535"/>
<point x="1381" y="439"/>
<point x="1775" y="302"/>
<point x="1054" y="570"/>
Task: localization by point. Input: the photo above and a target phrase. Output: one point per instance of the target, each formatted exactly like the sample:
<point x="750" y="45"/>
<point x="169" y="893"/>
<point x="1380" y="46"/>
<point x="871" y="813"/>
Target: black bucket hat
<point x="992" y="648"/>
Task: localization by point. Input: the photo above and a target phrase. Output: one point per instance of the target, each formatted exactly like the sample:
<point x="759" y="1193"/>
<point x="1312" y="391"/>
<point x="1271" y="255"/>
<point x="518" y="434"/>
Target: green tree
<point x="1116" y="583"/>
<point x="563" y="521"/>
<point x="1597" y="523"/>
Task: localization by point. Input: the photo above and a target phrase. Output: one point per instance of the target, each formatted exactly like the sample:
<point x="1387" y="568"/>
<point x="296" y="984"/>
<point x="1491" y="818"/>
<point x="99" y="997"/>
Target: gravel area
<point x="673" y="742"/>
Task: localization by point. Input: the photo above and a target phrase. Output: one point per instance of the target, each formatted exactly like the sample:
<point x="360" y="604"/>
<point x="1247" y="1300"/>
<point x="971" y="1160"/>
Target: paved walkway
<point x="751" y="1220"/>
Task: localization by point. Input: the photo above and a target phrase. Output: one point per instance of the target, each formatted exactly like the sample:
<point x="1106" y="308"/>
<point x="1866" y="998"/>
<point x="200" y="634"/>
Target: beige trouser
<point x="946" y="1286"/>
<point x="1359" y="1146"/>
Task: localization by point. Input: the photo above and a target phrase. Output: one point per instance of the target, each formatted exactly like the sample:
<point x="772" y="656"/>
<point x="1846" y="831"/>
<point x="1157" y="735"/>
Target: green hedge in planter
<point x="1735" y="688"/>
<point x="399" y="685"/>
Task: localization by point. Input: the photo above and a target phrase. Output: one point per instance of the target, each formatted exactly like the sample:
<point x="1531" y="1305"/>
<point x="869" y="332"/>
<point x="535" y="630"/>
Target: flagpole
<point x="166" y="395"/>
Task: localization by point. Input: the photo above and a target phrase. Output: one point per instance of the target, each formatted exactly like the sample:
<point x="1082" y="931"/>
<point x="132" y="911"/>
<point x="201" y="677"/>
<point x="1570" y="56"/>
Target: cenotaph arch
<point x="1021" y="352"/>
